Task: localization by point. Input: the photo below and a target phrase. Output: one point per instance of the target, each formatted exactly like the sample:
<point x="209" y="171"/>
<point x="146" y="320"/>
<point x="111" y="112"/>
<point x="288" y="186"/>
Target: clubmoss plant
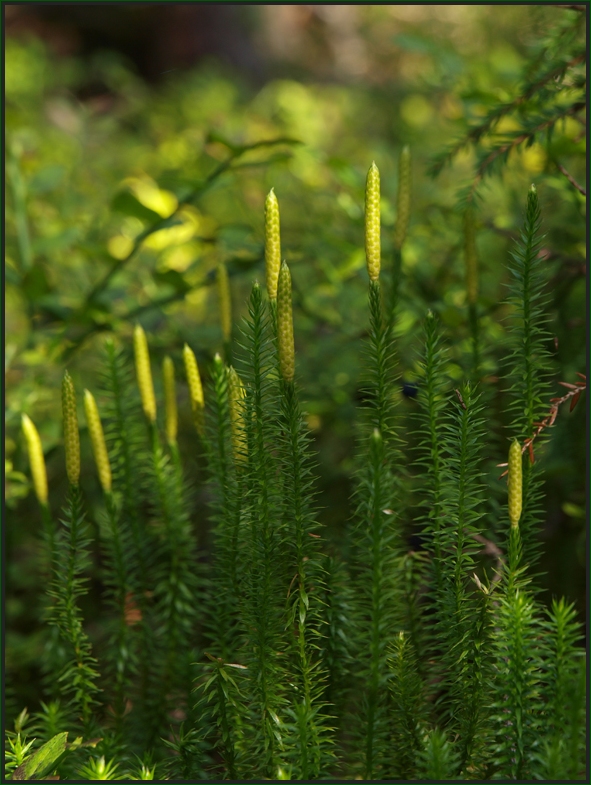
<point x="376" y="539"/>
<point x="144" y="373"/>
<point x="170" y="406"/>
<point x="528" y="364"/>
<point x="72" y="558"/>
<point x="195" y="387"/>
<point x="372" y="223"/>
<point x="97" y="438"/>
<point x="515" y="483"/>
<point x="311" y="725"/>
<point x="285" y="344"/>
<point x="36" y="460"/>
<point x="239" y="644"/>
<point x="272" y="244"/>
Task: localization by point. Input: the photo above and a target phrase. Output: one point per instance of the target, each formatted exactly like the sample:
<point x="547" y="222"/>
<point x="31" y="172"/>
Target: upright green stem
<point x="80" y="676"/>
<point x="121" y="588"/>
<point x="226" y="475"/>
<point x="378" y="544"/>
<point x="529" y="362"/>
<point x="432" y="406"/>
<point x="376" y="675"/>
<point x="381" y="370"/>
<point x="300" y="523"/>
<point x="262" y="573"/>
<point x="20" y="210"/>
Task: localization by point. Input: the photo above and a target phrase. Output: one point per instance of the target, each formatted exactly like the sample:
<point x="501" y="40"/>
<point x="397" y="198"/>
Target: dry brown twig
<point x="573" y="394"/>
<point x="571" y="179"/>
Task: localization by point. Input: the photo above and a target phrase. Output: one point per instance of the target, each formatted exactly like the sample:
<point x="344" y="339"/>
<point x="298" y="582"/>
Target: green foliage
<point x="416" y="671"/>
<point x="215" y="615"/>
<point x="72" y="558"/>
<point x="529" y="362"/>
<point x="409" y="707"/>
<point x="551" y="89"/>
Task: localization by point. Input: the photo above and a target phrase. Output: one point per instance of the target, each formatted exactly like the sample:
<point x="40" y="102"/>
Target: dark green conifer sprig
<point x="265" y="578"/>
<point x="188" y="759"/>
<point x="517" y="663"/>
<point x="226" y="482"/>
<point x="53" y="658"/>
<point x="563" y="695"/>
<point x="472" y="691"/>
<point x="516" y="720"/>
<point x="129" y="454"/>
<point x="529" y="364"/>
<point x="438" y="760"/>
<point x="461" y="631"/>
<point x="223" y="703"/>
<point x="463" y="438"/>
<point x="304" y="616"/>
<point x="176" y="592"/>
<point x="432" y="403"/>
<point x="409" y="714"/>
<point x="302" y="556"/>
<point x="174" y="578"/>
<point x="380" y="380"/>
<point x="337" y="648"/>
<point x="80" y="676"/>
<point x="377" y="545"/>
<point x="120" y="584"/>
<point x="126" y="438"/>
<point x="438" y="525"/>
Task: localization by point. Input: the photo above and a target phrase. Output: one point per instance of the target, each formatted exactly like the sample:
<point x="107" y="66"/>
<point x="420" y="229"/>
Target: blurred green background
<point x="116" y="115"/>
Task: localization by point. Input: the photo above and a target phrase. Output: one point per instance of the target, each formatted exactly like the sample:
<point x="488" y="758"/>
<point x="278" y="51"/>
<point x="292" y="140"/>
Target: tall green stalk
<point x="376" y="538"/>
<point x="462" y="633"/>
<point x="264" y="571"/>
<point x="226" y="484"/>
<point x="80" y="676"/>
<point x="431" y="442"/>
<point x="175" y="592"/>
<point x="305" y="591"/>
<point x="529" y="364"/>
<point x="121" y="588"/>
<point x="377" y="545"/>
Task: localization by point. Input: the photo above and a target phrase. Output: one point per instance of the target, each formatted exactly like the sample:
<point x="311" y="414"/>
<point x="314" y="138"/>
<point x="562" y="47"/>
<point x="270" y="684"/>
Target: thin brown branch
<point x="571" y="179"/>
<point x="574" y="391"/>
